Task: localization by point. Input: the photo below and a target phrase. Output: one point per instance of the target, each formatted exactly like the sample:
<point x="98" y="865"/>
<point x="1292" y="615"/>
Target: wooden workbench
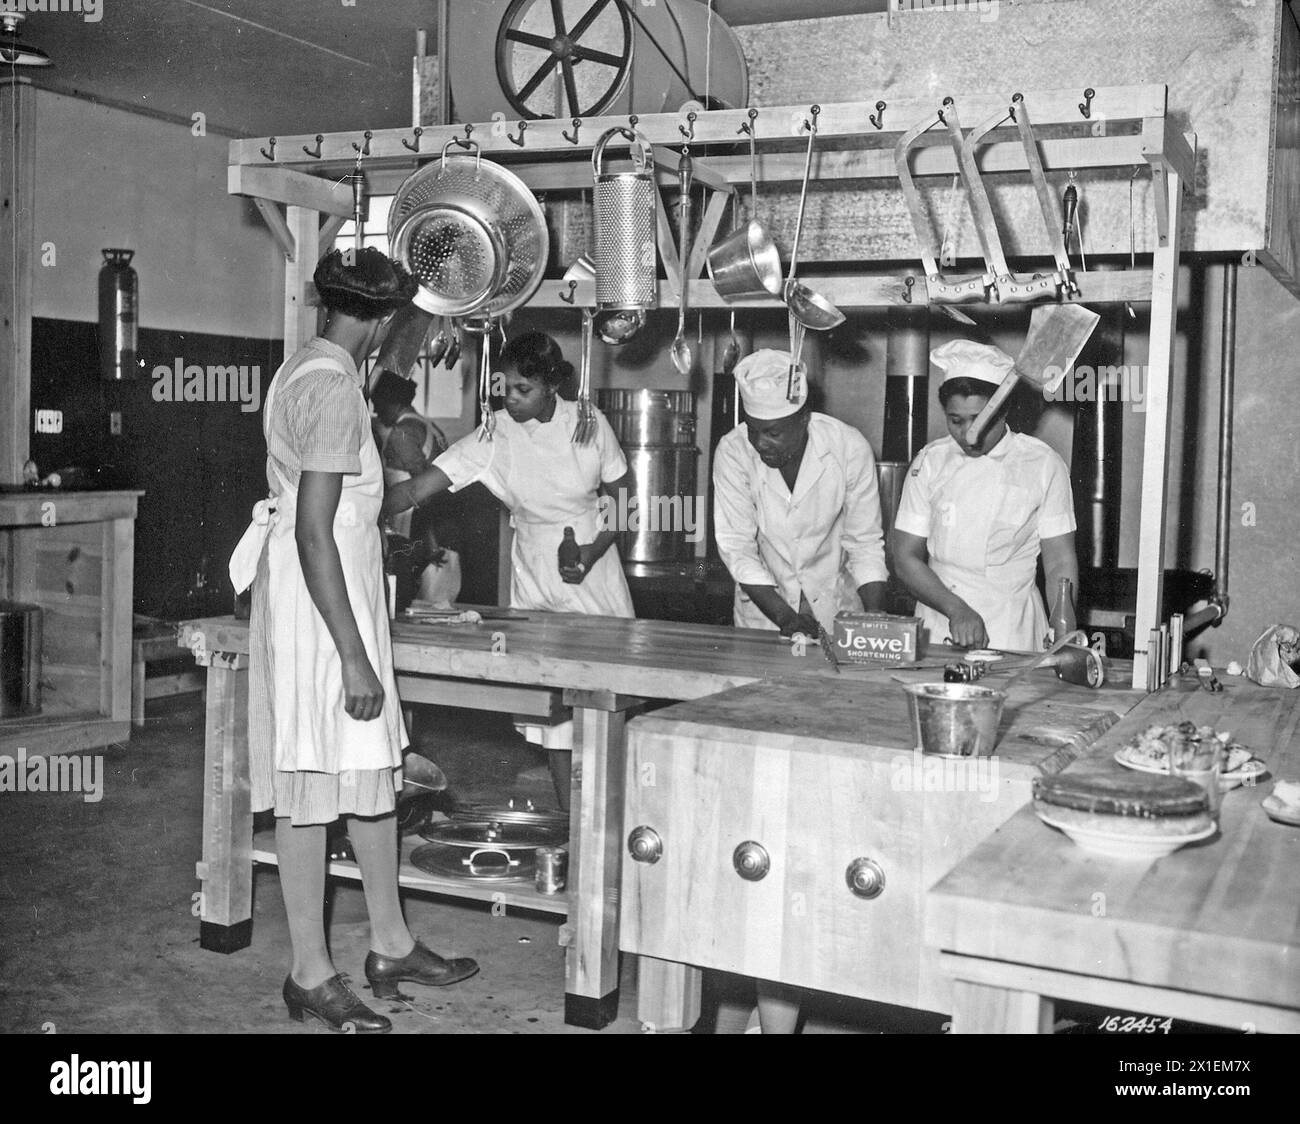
<point x="821" y="782"/>
<point x="1210" y="934"/>
<point x="604" y="667"/>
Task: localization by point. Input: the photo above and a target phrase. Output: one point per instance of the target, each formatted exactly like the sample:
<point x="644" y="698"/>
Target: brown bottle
<point x="1062" y="620"/>
<point x="570" y="553"/>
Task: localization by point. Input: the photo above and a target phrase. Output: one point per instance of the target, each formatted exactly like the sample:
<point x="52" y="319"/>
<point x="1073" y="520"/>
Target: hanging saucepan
<point x="613" y="325"/>
<point x="472" y="234"/>
<point x="746" y="263"/>
<point x="809" y="307"/>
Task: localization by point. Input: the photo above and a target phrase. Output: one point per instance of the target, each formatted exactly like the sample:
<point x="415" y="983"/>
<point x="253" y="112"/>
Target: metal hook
<point x="577" y="124"/>
<point x="316" y="154"/>
<point x="568" y="297"/>
<point x="1016" y="99"/>
<point x="811" y="126"/>
<point x="363" y="150"/>
<point x="465" y="141"/>
<point x="270" y="155"/>
<point x="908" y="282"/>
<point x="878" y="118"/>
<point x="519" y="140"/>
<point x="1085" y="106"/>
<point x="632" y="122"/>
<point x="747" y="127"/>
<point x="689" y="134"/>
<point x="947" y="102"/>
<point x="417" y="133"/>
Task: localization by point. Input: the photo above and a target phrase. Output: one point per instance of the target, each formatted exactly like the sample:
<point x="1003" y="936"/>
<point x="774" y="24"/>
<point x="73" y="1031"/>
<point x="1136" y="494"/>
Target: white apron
<point x="551" y="484"/>
<point x="311" y="729"/>
<point x="983" y="547"/>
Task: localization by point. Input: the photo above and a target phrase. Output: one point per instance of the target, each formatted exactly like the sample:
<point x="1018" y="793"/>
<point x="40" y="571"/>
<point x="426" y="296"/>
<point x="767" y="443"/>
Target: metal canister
<point x="624" y="208"/>
<point x="552" y="869"/>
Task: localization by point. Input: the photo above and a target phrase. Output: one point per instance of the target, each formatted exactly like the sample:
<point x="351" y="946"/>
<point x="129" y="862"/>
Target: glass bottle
<point x="570" y="553"/>
<point x="1062" y="620"/>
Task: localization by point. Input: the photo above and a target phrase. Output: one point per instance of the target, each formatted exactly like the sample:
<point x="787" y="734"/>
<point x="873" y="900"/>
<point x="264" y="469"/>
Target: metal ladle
<point x="808" y="306"/>
<point x="682" y="357"/>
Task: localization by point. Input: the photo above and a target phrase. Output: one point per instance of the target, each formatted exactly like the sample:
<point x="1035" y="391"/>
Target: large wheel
<point x="563" y="58"/>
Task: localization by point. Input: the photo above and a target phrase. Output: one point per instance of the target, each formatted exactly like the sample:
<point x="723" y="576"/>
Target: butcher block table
<point x="1210" y="934"/>
<point x="788" y="830"/>
<point x="603" y="667"/>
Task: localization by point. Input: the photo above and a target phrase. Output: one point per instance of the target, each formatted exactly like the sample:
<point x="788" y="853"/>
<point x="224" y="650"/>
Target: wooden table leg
<point x="667" y="995"/>
<point x="226" y="870"/>
<point x="981" y="1009"/>
<point x="595" y="853"/>
<point x="137" y="684"/>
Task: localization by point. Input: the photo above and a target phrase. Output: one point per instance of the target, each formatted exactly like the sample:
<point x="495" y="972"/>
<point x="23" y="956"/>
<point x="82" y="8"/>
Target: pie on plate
<point x="1149" y="752"/>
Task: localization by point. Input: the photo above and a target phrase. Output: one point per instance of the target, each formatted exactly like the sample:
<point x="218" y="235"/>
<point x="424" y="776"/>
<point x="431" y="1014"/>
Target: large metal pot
<point x="665" y="502"/>
<point x="20" y="659"/>
<point x="485" y="850"/>
<point x="649" y="417"/>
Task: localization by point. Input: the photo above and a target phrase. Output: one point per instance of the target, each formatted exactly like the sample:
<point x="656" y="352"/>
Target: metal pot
<point x="485" y="850"/>
<point x="20" y="659"/>
<point x="664" y="477"/>
<point x="649" y="417"/>
<point x="746" y="263"/>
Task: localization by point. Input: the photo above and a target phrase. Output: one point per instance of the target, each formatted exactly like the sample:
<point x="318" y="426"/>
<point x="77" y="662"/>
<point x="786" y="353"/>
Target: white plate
<point x="1282" y="813"/>
<point x="1114" y="845"/>
<point x="1227" y="781"/>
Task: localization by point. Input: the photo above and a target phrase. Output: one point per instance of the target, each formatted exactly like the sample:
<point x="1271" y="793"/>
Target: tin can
<point x="552" y="869"/>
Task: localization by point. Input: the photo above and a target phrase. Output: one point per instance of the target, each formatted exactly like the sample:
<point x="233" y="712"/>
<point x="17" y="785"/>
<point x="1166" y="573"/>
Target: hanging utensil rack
<point x="307" y="174"/>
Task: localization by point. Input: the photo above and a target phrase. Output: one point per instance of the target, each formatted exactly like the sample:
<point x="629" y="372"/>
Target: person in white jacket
<point x="796" y="508"/>
<point x="975" y="516"/>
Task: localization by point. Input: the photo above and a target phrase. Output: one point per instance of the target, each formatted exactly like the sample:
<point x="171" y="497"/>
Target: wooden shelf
<point x="61" y="730"/>
<point x="520" y="895"/>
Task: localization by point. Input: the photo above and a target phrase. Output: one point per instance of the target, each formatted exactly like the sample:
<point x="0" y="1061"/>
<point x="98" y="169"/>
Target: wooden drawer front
<point x="814" y="812"/>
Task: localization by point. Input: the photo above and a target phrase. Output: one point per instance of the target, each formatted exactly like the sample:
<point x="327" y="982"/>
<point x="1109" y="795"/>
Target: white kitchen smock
<point x="823" y="539"/>
<point x="315" y="402"/>
<point x="548" y="483"/>
<point x="983" y="519"/>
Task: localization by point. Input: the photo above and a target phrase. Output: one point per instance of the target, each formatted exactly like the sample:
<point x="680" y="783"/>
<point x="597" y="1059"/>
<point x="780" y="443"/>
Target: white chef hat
<point x="763" y="378"/>
<point x="965" y="359"/>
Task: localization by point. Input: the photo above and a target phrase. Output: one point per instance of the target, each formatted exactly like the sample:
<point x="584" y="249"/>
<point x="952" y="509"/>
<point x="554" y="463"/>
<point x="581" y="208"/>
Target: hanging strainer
<point x="471" y="233"/>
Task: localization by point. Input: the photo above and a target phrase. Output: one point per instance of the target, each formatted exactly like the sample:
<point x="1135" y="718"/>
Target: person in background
<point x="974" y="517"/>
<point x="408" y="441"/>
<point x="798" y="525"/>
<point x="548" y="483"/>
<point x="325" y="728"/>
<point x="796" y="507"/>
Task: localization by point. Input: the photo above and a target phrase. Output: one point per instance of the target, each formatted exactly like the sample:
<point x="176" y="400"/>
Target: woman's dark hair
<point x="364" y="284"/>
<point x="536" y="356"/>
<point x="965" y="387"/>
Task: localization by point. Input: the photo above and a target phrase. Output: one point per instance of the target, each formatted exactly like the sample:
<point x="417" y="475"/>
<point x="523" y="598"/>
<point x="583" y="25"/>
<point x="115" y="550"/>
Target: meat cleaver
<point x="1057" y="333"/>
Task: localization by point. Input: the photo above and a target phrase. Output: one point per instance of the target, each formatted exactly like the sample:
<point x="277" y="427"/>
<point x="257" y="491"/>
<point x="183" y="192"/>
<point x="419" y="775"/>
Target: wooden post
<point x="17" y="225"/>
<point x="1155" y="441"/>
<point x="595" y="856"/>
<point x="299" y="311"/>
<point x="980" y="1009"/>
<point x="226" y="871"/>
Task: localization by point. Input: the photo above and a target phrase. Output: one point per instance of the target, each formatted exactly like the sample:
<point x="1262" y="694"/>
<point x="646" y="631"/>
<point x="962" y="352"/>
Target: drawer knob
<point x="644" y="845"/>
<point x="751" y="861"/>
<point x="865" y="877"/>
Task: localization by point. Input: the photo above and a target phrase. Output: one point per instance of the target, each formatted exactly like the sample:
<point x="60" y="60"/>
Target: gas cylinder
<point x="118" y="315"/>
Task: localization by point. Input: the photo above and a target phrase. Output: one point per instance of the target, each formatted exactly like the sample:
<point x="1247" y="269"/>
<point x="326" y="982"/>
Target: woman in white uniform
<point x="548" y="483"/>
<point x="325" y="728"/>
<point x="796" y="508"/>
<point x="797" y="521"/>
<point x="974" y="517"/>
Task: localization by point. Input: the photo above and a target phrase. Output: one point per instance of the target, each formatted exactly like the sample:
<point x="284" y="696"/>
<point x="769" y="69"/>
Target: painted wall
<point x="108" y="178"/>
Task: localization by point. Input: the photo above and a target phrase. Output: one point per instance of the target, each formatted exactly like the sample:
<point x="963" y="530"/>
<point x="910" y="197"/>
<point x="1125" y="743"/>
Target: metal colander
<point x="472" y="234"/>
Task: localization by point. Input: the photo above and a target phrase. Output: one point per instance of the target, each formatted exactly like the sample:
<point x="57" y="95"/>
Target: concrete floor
<point x="99" y="933"/>
<point x="99" y="927"/>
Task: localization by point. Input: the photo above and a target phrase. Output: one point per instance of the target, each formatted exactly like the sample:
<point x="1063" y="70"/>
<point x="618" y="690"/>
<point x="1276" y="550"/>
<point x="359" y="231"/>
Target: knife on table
<point x="823" y="637"/>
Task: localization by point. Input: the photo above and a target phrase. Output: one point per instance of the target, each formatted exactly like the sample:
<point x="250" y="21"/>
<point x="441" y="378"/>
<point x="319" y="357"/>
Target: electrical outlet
<point x="49" y="421"/>
<point x="115" y="423"/>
